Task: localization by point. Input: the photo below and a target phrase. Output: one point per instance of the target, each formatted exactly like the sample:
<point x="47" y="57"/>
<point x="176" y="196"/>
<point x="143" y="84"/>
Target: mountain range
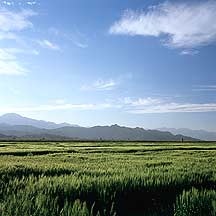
<point x="17" y="126"/>
<point x="198" y="134"/>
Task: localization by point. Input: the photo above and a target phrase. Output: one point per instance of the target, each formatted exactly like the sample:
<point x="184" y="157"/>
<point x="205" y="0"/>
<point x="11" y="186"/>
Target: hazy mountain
<point x="20" y="130"/>
<point x="116" y="132"/>
<point x="3" y="136"/>
<point x="24" y="129"/>
<point x="15" y="119"/>
<point x="198" y="134"/>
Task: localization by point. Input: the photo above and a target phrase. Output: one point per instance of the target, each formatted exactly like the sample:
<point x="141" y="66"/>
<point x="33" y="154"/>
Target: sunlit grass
<point x="107" y="178"/>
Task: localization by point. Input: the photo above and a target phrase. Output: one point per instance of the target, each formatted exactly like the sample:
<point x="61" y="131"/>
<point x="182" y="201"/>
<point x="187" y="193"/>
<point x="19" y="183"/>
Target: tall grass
<point x="196" y="202"/>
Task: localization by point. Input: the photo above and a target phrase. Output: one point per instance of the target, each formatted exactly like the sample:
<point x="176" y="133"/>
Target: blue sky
<point x="134" y="63"/>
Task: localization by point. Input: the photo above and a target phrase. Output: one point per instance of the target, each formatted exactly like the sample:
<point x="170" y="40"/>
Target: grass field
<point x="107" y="178"/>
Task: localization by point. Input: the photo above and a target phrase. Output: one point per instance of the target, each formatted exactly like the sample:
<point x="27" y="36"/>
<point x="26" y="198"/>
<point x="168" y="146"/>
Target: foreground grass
<point x="78" y="178"/>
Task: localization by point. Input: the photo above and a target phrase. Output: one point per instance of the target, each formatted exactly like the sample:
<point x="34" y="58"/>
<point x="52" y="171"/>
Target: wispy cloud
<point x="11" y="23"/>
<point x="141" y="101"/>
<point x="59" y="101"/>
<point x="154" y="105"/>
<point x="76" y="37"/>
<point x="8" y="36"/>
<point x="184" y="25"/>
<point x="80" y="45"/>
<point x="52" y="107"/>
<point x="204" y="88"/>
<point x="15" y="21"/>
<point x="189" y="52"/>
<point x="21" y="51"/>
<point x="175" y="108"/>
<point x="128" y="105"/>
<point x="54" y="31"/>
<point x="20" y="3"/>
<point x="15" y="91"/>
<point x="79" y="39"/>
<point x="8" y="3"/>
<point x="48" y="45"/>
<point x="9" y="65"/>
<point x="100" y="85"/>
<point x="31" y="2"/>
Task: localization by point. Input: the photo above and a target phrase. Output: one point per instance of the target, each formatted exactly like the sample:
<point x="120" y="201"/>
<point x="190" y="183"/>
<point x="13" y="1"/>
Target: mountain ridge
<point x="113" y="132"/>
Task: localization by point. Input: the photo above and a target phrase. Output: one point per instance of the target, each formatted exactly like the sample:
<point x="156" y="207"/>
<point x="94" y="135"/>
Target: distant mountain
<point x="116" y="132"/>
<point x="2" y="136"/>
<point x="21" y="130"/>
<point x="26" y="129"/>
<point x="15" y="119"/>
<point x="198" y="134"/>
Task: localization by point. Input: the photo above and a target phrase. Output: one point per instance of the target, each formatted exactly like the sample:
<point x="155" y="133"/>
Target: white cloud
<point x="15" y="21"/>
<point x="9" y="64"/>
<point x="48" y="45"/>
<point x="184" y="25"/>
<point x="10" y="24"/>
<point x="12" y="68"/>
<point x="100" y="85"/>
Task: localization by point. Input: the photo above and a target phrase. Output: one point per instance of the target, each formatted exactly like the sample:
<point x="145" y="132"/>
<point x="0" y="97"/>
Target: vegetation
<point x="107" y="178"/>
<point x="195" y="202"/>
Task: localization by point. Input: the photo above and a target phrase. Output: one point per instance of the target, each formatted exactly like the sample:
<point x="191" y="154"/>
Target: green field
<point x="107" y="178"/>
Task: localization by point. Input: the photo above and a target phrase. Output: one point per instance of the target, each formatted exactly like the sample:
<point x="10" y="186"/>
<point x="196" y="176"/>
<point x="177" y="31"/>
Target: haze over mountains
<point x="198" y="134"/>
<point x="16" y="126"/>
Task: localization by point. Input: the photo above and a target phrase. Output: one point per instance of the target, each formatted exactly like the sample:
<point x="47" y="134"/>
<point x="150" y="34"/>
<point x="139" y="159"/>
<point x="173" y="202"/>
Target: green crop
<point x="107" y="178"/>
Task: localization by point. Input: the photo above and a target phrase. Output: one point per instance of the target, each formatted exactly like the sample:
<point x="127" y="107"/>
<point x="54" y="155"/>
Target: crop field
<point x="107" y="179"/>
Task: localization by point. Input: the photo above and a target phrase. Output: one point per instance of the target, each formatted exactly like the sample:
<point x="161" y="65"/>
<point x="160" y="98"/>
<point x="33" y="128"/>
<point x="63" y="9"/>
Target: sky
<point x="140" y="63"/>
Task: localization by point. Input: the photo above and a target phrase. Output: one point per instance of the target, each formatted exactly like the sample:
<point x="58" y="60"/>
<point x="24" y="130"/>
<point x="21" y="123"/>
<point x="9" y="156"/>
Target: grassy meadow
<point x="107" y="179"/>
